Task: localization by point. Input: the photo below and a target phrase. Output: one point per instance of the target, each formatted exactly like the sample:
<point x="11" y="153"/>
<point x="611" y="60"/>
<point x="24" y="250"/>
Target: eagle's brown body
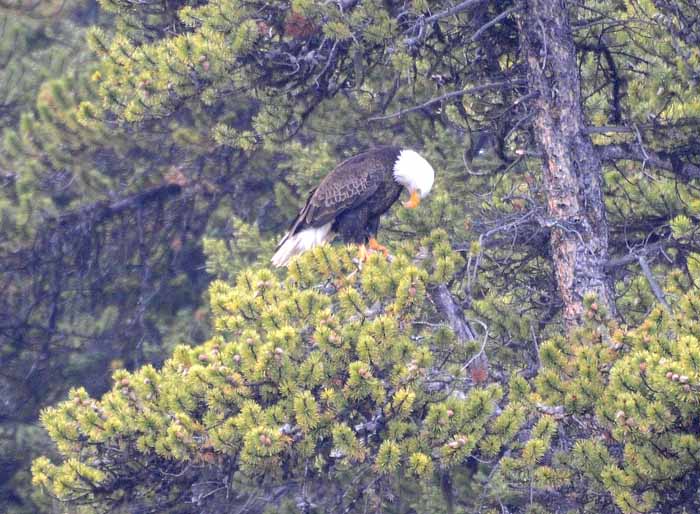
<point x="353" y="196"/>
<point x="348" y="202"/>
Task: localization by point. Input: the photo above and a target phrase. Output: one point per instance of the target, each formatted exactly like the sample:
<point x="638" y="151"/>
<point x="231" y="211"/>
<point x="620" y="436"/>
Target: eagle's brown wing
<point x="348" y="185"/>
<point x="345" y="187"/>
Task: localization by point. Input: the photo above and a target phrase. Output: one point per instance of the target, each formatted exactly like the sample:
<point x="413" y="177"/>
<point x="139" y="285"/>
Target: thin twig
<point x="446" y="96"/>
<point x="480" y="353"/>
<point x="438" y="16"/>
<point x="493" y="22"/>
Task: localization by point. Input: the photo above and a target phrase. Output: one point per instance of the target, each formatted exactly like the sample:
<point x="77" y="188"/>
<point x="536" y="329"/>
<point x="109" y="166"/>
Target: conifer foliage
<point x="537" y="353"/>
<point x="631" y="399"/>
<point x="333" y="377"/>
<point x="337" y="387"/>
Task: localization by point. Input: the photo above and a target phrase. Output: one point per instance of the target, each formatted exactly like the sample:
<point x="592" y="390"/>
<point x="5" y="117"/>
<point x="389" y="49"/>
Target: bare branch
<point x="661" y="160"/>
<point x="103" y="210"/>
<point x="451" y="310"/>
<point x="422" y="22"/>
<point x="346" y="5"/>
<point x="609" y="129"/>
<point x="494" y="21"/>
<point x="646" y="251"/>
<point x="480" y="355"/>
<point x="655" y="287"/>
<point x="556" y="411"/>
<point x="453" y="10"/>
<point x="652" y="127"/>
<point x="447" y="96"/>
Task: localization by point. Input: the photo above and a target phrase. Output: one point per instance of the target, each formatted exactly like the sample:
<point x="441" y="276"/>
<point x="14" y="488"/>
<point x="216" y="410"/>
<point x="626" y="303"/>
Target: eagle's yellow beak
<point x="414" y="201"/>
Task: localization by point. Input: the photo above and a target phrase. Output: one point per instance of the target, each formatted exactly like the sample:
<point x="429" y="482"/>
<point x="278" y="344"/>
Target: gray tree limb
<point x="452" y="312"/>
<point x="661" y="160"/>
<point x="446" y="96"/>
<point x="655" y="287"/>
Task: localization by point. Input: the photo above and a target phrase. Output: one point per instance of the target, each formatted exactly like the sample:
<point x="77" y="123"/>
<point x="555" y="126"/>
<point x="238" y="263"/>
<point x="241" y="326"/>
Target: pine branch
<point x="663" y="160"/>
<point x="655" y="287"/>
<point x="103" y="210"/>
<point x="450" y="309"/>
<point x="648" y="250"/>
<point x="447" y="96"/>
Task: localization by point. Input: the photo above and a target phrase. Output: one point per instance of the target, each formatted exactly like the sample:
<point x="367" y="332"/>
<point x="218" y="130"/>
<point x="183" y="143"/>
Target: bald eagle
<point x="350" y="199"/>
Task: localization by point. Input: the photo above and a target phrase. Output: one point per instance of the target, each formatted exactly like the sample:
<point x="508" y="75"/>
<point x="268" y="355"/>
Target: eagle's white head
<point x="414" y="173"/>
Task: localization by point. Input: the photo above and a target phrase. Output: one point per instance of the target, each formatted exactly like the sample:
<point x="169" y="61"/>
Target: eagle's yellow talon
<point x="374" y="245"/>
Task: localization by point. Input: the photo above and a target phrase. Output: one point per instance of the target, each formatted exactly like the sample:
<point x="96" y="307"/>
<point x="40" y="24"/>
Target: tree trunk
<point x="572" y="169"/>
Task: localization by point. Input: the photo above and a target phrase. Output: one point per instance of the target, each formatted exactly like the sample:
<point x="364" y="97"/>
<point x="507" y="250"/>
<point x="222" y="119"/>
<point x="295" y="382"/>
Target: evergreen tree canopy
<point x="564" y="139"/>
<point x="335" y="389"/>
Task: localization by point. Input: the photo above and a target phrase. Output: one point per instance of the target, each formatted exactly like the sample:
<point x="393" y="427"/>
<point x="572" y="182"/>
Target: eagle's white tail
<point x="300" y="242"/>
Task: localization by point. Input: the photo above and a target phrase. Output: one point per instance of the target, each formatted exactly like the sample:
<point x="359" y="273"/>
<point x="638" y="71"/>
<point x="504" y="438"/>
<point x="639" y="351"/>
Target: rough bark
<point x="572" y="170"/>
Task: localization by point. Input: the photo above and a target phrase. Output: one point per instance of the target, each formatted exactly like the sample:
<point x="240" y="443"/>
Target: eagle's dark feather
<point x="350" y="199"/>
<point x="350" y="184"/>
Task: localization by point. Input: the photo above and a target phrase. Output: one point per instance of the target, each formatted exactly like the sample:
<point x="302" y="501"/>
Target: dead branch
<point x="662" y="160"/>
<point x="447" y="96"/>
<point x="655" y="287"/>
<point x="452" y="312"/>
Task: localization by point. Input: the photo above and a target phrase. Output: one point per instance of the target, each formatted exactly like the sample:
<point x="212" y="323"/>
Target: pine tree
<point x="338" y="387"/>
<point x="38" y="41"/>
<point x="333" y="376"/>
<point x="564" y="139"/>
<point x="326" y="56"/>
